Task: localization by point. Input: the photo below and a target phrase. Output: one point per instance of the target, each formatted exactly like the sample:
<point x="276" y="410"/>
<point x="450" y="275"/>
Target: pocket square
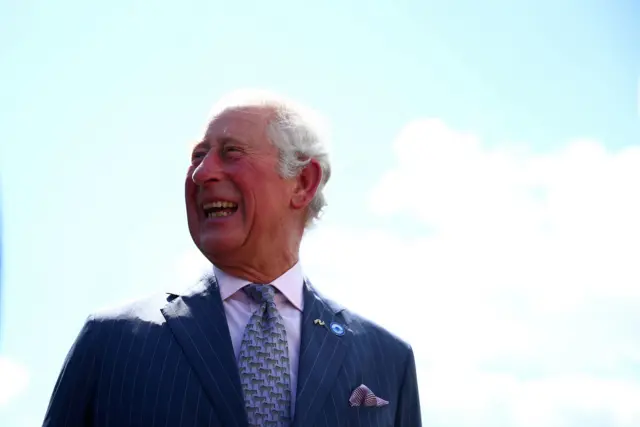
<point x="363" y="396"/>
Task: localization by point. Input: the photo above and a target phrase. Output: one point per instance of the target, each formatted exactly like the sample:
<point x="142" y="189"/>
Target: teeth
<point x="219" y="204"/>
<point x="218" y="214"/>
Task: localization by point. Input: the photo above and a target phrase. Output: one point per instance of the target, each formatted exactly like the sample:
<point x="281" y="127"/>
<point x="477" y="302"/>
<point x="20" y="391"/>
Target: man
<point x="252" y="343"/>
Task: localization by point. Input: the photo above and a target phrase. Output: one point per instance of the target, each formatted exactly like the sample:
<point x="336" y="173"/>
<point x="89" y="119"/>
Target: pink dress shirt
<point x="289" y="300"/>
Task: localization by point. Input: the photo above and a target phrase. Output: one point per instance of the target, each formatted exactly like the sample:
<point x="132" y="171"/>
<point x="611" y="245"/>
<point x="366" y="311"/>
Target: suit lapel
<point x="198" y="323"/>
<point x="321" y="355"/>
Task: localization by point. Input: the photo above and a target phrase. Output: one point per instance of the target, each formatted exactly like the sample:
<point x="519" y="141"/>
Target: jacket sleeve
<point x="71" y="401"/>
<point x="408" y="412"/>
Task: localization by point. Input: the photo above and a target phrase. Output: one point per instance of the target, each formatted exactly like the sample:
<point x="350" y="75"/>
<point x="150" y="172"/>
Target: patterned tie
<point x="264" y="362"/>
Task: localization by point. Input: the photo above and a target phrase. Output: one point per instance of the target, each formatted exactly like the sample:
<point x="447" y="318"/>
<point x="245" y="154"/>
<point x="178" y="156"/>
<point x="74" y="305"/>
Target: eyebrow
<point x="220" y="140"/>
<point x="201" y="144"/>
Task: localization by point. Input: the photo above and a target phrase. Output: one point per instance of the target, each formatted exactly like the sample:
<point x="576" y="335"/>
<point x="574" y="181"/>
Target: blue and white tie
<point x="264" y="362"/>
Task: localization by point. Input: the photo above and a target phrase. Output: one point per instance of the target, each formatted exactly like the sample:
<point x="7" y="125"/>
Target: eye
<point x="230" y="149"/>
<point x="198" y="155"/>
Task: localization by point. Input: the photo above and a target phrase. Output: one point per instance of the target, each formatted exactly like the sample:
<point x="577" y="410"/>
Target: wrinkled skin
<point x="236" y="162"/>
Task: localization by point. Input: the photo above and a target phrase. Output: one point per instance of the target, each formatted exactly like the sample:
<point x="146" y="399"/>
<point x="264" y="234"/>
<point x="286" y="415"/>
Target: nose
<point x="209" y="169"/>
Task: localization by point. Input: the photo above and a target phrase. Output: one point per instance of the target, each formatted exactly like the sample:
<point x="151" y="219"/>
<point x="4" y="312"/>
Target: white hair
<point x="296" y="131"/>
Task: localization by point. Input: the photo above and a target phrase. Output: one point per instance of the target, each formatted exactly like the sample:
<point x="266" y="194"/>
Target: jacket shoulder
<point x="145" y="309"/>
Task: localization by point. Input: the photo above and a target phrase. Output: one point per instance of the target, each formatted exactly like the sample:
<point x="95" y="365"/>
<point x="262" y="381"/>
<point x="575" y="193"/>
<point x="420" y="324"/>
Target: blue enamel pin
<point x="337" y="329"/>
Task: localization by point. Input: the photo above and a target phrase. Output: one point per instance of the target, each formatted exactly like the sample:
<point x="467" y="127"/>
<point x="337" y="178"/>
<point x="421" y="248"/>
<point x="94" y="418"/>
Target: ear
<point x="307" y="183"/>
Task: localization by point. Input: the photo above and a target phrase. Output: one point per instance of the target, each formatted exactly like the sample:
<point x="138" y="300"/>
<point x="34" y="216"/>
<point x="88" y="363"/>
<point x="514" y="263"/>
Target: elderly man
<point x="252" y="343"/>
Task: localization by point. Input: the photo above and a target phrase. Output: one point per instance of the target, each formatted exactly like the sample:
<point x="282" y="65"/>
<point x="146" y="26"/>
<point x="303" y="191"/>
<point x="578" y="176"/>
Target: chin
<point x="217" y="245"/>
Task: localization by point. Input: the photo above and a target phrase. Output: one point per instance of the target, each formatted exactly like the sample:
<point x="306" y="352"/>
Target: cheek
<point x="189" y="187"/>
<point x="272" y="200"/>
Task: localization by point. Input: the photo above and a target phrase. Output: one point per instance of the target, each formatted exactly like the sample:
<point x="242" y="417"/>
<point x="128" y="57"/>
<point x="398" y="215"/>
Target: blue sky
<point x="499" y="237"/>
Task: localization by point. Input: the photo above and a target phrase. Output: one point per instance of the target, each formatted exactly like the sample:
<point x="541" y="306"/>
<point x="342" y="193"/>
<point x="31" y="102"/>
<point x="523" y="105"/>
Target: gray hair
<point x="295" y="130"/>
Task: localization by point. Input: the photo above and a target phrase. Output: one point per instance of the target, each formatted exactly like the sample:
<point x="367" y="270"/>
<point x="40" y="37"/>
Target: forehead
<point x="248" y="124"/>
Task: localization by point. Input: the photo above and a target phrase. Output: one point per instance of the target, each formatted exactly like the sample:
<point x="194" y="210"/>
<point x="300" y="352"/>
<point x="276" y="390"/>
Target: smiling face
<point x="238" y="205"/>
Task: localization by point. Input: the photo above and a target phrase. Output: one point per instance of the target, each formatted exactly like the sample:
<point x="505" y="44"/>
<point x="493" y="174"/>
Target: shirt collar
<point x="289" y="284"/>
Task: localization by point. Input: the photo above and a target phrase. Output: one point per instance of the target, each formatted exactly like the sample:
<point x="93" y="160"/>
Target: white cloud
<point x="476" y="398"/>
<point x="14" y="379"/>
<point x="574" y="212"/>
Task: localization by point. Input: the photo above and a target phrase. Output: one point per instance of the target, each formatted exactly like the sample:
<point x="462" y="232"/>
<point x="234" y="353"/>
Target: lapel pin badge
<point x="337" y="329"/>
<point x="318" y="322"/>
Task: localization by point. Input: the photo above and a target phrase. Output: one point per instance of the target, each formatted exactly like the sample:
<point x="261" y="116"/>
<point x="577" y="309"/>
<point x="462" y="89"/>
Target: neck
<point x="264" y="260"/>
<point x="263" y="266"/>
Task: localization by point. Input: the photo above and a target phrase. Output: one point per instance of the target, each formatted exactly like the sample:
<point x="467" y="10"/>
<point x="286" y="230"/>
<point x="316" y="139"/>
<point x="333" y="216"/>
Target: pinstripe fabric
<point x="169" y="362"/>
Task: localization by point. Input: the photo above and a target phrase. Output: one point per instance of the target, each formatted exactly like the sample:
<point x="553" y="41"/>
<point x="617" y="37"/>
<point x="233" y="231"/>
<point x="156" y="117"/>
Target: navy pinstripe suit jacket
<point x="168" y="361"/>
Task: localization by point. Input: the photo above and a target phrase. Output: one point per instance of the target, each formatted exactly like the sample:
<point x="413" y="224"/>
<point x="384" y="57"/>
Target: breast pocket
<point x="365" y="416"/>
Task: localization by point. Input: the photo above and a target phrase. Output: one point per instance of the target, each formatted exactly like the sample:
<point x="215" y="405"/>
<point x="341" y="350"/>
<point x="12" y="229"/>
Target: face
<point x="237" y="202"/>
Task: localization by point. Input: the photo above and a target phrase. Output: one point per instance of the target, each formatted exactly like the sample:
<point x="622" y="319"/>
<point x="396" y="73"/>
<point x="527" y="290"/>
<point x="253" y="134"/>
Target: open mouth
<point x="219" y="209"/>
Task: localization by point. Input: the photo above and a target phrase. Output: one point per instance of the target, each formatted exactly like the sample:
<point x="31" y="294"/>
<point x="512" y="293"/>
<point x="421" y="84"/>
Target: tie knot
<point x="260" y="293"/>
